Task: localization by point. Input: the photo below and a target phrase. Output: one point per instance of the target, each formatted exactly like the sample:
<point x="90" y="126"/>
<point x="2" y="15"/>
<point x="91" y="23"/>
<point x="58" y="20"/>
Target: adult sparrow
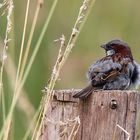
<point x="116" y="71"/>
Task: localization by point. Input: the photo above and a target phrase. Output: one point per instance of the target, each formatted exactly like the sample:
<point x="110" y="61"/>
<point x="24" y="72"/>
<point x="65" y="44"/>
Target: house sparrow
<point x="116" y="71"/>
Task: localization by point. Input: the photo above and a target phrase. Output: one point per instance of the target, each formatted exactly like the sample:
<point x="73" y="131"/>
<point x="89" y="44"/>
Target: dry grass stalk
<point x="31" y="126"/>
<point x="9" y="118"/>
<point x="117" y="125"/>
<point x="23" y="104"/>
<point x="18" y="88"/>
<point x="62" y="57"/>
<point x="22" y="46"/>
<point x="128" y="134"/>
<point x="9" y="8"/>
<point x="67" y="129"/>
<point x="8" y="121"/>
<point x="25" y="57"/>
<point x="74" y="129"/>
<point x="20" y="72"/>
<point x="4" y="7"/>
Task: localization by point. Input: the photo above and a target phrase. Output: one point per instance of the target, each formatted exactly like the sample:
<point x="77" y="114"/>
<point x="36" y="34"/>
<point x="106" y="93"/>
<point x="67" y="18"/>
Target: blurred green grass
<point x="108" y="20"/>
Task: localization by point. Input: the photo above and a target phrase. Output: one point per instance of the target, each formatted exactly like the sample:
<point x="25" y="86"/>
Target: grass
<point x="123" y="130"/>
<point x="22" y="73"/>
<point x="4" y="56"/>
<point x="18" y="75"/>
<point x="62" y="56"/>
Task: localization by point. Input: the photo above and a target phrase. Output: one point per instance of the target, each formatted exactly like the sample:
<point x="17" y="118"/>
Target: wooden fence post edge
<point x="105" y="115"/>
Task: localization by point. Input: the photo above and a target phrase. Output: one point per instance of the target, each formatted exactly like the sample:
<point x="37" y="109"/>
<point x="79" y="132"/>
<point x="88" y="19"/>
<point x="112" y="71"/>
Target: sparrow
<point x="116" y="71"/>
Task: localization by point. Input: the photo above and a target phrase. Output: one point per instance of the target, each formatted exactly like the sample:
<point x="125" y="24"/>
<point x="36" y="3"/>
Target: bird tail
<point x="84" y="93"/>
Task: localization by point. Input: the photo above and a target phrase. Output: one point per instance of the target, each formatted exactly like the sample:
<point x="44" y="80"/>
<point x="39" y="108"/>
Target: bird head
<point x="117" y="47"/>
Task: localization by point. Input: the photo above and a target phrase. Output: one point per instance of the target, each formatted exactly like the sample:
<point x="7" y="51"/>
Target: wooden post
<point x="102" y="116"/>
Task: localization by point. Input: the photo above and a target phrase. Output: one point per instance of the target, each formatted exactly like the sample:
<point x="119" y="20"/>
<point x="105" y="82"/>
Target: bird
<point x="116" y="71"/>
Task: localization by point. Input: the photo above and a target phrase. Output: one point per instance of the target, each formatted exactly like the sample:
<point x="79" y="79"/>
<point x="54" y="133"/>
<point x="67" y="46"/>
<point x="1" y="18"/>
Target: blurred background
<point x="108" y="20"/>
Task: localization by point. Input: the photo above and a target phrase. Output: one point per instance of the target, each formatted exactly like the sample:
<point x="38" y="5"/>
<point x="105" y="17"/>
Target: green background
<point x="109" y="19"/>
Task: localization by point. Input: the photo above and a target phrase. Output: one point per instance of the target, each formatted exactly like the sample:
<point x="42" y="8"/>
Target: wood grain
<point x="99" y="116"/>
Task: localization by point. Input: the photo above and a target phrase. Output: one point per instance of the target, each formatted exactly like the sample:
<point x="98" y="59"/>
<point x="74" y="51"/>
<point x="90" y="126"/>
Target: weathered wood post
<point x="102" y="116"/>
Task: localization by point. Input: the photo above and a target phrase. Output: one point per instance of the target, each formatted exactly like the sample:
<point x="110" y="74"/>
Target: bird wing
<point x="98" y="74"/>
<point x="104" y="71"/>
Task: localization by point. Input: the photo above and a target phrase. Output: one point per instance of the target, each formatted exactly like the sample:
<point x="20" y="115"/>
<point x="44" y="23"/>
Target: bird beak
<point x="103" y="46"/>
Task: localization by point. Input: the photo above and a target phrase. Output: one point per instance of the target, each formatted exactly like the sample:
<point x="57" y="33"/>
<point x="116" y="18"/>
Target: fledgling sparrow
<point x="116" y="71"/>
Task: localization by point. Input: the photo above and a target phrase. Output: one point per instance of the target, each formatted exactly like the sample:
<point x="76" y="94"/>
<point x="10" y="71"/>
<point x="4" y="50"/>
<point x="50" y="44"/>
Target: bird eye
<point x="110" y="52"/>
